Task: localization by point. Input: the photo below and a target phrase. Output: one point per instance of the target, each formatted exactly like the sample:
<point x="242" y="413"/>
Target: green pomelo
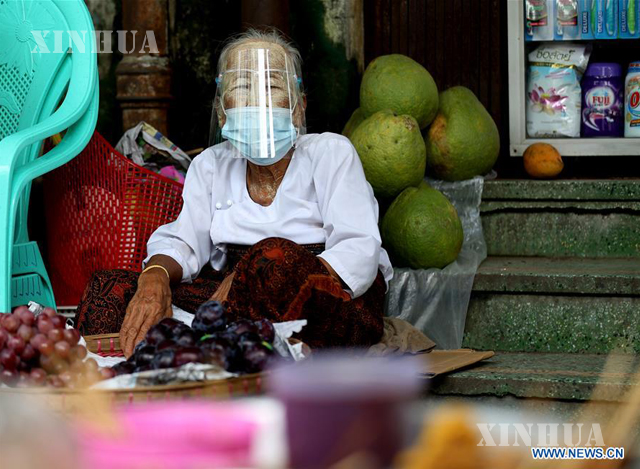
<point x="354" y="121"/>
<point x="463" y="140"/>
<point x="392" y="152"/>
<point x="422" y="229"/>
<point x="401" y="84"/>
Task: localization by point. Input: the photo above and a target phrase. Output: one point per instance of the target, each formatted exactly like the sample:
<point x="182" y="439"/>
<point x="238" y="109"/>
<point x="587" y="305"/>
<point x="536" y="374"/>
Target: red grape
<point x="44" y="324"/>
<point x="55" y="381"/>
<point x="10" y="322"/>
<point x="16" y="343"/>
<point x="72" y="336"/>
<point x="25" y="316"/>
<point x="67" y="378"/>
<point x="26" y="332"/>
<point x="8" y="359"/>
<point x="28" y="353"/>
<point x="49" y="312"/>
<point x="78" y="352"/>
<point x="46" y="347"/>
<point x="3" y="338"/>
<point x="24" y="380"/>
<point x="55" y="335"/>
<point x="8" y="377"/>
<point x="59" y="322"/>
<point x="38" y="376"/>
<point x="37" y="340"/>
<point x="62" y="349"/>
<point x="91" y="365"/>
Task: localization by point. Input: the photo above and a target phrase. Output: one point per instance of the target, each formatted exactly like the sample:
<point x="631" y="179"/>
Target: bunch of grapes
<point x="39" y="351"/>
<point x="242" y="347"/>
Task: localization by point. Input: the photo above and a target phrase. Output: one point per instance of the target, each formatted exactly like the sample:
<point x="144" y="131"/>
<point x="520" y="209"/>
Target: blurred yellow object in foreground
<point x="448" y="441"/>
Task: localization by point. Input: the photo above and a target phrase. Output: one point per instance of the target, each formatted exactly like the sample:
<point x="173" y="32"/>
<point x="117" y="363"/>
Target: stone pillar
<point x="144" y="76"/>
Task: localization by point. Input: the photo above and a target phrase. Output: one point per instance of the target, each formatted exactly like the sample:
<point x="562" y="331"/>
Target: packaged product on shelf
<point x="602" y="101"/>
<point x="565" y="14"/>
<point x="632" y="101"/>
<point x="538" y="24"/>
<point x="553" y="89"/>
<point x="629" y="19"/>
<point x="606" y="19"/>
<point x="588" y="15"/>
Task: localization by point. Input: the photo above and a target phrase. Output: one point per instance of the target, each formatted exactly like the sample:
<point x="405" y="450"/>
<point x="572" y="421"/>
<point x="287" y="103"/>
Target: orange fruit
<point x="542" y="161"/>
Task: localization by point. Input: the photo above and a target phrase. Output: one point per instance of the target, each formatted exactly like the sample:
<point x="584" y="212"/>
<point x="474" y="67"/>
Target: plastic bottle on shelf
<point x="602" y="101"/>
<point x="632" y="101"/>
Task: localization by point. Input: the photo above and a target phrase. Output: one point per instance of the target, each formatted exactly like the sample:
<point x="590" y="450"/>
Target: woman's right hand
<point x="150" y="304"/>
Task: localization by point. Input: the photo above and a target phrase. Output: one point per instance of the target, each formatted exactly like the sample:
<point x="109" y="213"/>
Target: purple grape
<point x="255" y="357"/>
<point x="166" y="344"/>
<point x="144" y="356"/>
<point x="169" y="323"/>
<point x="214" y="352"/>
<point x="242" y="326"/>
<point x="178" y="330"/>
<point x="186" y="355"/>
<point x="188" y="338"/>
<point x="163" y="359"/>
<point x="124" y="368"/>
<point x="266" y="330"/>
<point x="209" y="318"/>
<point x="156" y="334"/>
<point x="141" y="344"/>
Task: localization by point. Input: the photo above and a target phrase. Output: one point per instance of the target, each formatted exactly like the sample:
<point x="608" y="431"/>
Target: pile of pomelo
<point x="404" y="126"/>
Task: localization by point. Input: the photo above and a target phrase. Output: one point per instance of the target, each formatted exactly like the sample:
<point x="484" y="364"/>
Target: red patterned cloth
<point x="275" y="279"/>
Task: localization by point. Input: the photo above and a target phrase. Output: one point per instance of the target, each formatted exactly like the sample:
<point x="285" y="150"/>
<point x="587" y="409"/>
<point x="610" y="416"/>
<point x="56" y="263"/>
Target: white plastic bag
<point x="435" y="301"/>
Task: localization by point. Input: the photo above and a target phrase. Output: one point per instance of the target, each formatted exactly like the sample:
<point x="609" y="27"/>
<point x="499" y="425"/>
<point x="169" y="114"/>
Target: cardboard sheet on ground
<point x="438" y="362"/>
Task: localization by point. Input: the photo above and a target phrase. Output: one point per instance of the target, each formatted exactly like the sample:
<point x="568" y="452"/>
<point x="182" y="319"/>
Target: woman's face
<point x="260" y="74"/>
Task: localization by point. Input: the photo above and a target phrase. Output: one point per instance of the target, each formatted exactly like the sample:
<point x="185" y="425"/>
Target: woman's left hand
<point x="223" y="290"/>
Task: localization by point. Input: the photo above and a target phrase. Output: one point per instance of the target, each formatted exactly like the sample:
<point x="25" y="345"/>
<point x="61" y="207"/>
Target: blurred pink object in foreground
<point x="172" y="173"/>
<point x="170" y="435"/>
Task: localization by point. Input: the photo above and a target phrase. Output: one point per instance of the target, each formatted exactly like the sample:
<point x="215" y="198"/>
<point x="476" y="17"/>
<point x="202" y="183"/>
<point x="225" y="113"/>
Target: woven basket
<point x="70" y="400"/>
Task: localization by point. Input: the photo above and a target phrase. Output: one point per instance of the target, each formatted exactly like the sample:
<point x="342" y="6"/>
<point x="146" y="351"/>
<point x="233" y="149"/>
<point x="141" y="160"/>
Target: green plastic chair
<point x="44" y="90"/>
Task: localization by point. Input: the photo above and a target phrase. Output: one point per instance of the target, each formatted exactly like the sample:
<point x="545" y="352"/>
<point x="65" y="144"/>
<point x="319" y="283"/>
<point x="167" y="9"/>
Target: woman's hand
<point x="223" y="290"/>
<point x="150" y="304"/>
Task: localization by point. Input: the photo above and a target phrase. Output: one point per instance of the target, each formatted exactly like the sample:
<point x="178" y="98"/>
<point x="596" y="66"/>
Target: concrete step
<point x="578" y="305"/>
<point x="556" y="376"/>
<point x="569" y="218"/>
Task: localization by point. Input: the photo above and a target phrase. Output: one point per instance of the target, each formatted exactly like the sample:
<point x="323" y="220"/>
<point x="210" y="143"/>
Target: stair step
<point x="576" y="305"/>
<point x="599" y="276"/>
<point x="564" y="189"/>
<point x="557" y="376"/>
<point x="571" y="218"/>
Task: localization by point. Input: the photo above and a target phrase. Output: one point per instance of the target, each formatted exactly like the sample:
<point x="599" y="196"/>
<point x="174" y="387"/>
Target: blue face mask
<point x="242" y="129"/>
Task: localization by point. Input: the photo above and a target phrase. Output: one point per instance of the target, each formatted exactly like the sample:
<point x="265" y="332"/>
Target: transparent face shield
<point x="259" y="105"/>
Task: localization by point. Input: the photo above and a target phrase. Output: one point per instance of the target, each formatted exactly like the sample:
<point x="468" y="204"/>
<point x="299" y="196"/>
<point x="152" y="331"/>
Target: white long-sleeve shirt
<point x="323" y="198"/>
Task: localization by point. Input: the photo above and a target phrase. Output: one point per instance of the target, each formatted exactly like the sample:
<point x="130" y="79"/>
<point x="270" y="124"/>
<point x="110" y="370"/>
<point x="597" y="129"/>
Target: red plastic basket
<point x="101" y="209"/>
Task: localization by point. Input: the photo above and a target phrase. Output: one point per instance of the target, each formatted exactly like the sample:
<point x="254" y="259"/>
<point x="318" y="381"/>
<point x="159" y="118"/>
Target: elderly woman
<point x="276" y="224"/>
